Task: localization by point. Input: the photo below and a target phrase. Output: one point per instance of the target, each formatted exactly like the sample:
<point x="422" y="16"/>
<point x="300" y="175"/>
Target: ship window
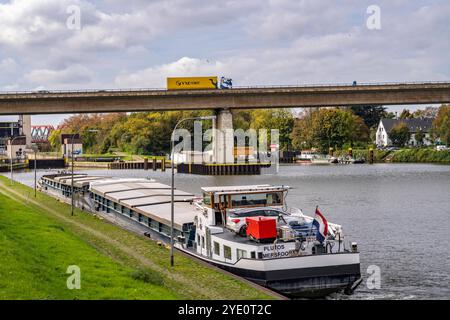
<point x="257" y="199"/>
<point x="227" y="252"/>
<point x="203" y="242"/>
<point x="241" y="253"/>
<point x="274" y="198"/>
<point x="221" y="201"/>
<point x="216" y="248"/>
<point x="207" y="199"/>
<point x="239" y="200"/>
<point x="253" y="255"/>
<point x="154" y="225"/>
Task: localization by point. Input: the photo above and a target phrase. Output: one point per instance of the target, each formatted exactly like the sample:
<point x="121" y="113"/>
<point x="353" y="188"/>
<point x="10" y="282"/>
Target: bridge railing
<point x="317" y="85"/>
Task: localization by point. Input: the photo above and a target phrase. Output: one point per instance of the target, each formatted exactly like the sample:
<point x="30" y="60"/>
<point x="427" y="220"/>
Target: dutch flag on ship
<point x="321" y="225"/>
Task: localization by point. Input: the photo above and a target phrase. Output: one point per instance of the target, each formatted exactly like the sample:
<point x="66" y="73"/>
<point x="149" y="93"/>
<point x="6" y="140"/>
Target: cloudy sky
<point x="138" y="43"/>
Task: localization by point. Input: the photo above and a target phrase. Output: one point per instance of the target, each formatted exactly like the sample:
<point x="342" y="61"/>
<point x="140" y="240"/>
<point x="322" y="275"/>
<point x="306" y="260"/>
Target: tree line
<point x="323" y="128"/>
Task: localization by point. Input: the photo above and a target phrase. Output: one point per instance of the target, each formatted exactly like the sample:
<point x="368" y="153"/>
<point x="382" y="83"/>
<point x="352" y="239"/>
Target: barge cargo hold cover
<point x="145" y="201"/>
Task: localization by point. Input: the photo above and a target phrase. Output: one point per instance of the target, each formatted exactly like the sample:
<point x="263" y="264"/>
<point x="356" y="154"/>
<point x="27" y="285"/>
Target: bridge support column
<point x="223" y="137"/>
<point x="25" y="130"/>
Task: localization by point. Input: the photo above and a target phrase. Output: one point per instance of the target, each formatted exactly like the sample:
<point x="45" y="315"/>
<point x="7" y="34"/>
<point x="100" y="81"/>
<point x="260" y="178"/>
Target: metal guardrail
<point x="365" y="84"/>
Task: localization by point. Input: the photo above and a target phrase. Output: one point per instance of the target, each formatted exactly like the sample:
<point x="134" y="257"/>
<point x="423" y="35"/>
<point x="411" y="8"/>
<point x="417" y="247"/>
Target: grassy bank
<point x="39" y="240"/>
<point x="36" y="252"/>
<point x="421" y="156"/>
<point x="416" y="155"/>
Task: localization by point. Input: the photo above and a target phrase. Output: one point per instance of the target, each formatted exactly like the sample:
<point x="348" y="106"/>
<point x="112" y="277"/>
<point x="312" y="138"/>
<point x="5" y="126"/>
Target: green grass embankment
<point x="423" y="155"/>
<point x="39" y="240"/>
<point x="36" y="251"/>
<point x="413" y="155"/>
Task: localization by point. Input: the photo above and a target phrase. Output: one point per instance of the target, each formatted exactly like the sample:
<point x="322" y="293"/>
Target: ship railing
<point x="294" y="211"/>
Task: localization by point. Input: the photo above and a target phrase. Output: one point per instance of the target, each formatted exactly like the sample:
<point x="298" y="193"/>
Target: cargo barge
<point x="247" y="230"/>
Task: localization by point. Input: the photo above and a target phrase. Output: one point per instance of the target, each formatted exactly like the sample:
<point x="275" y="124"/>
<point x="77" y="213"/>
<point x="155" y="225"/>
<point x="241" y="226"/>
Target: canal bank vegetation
<point x="406" y="155"/>
<point x="421" y="155"/>
<point x="39" y="240"/>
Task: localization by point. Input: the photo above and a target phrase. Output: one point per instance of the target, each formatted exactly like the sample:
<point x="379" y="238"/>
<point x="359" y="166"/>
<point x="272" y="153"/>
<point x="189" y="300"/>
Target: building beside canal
<point x="69" y="141"/>
<point x="14" y="128"/>
<point x="423" y="125"/>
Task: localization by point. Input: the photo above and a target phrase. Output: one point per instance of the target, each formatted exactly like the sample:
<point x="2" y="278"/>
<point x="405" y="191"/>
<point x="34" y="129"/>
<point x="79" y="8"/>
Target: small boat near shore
<point x="324" y="160"/>
<point x="249" y="230"/>
<point x="314" y="157"/>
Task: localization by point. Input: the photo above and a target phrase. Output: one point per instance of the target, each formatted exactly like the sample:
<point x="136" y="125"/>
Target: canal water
<point x="399" y="214"/>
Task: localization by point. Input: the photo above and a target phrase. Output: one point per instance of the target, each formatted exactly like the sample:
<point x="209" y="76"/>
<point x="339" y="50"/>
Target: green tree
<point x="370" y="114"/>
<point x="303" y="133"/>
<point x="441" y="125"/>
<point x="400" y="134"/>
<point x="242" y="119"/>
<point x="390" y="115"/>
<point x="150" y="132"/>
<point x="327" y="128"/>
<point x="280" y="119"/>
<point x="419" y="136"/>
<point x="406" y="114"/>
<point x="93" y="142"/>
<point x="55" y="140"/>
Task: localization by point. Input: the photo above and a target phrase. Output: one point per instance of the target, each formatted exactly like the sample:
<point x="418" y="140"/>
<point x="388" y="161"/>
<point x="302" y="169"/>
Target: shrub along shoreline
<point x="413" y="155"/>
<point x="424" y="155"/>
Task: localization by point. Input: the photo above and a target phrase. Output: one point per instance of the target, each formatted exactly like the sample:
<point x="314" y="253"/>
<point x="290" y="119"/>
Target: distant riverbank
<point x="419" y="155"/>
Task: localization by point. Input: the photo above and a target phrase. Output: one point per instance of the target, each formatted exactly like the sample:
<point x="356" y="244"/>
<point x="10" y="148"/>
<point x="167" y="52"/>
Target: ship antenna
<point x="284" y="200"/>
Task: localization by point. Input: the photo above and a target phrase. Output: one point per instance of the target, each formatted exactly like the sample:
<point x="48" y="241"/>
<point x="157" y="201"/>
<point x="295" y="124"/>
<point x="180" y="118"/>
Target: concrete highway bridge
<point x="47" y="102"/>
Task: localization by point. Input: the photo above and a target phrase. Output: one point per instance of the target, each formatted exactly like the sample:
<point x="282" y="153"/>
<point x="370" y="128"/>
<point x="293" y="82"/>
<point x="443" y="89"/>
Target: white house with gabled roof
<point x="414" y="125"/>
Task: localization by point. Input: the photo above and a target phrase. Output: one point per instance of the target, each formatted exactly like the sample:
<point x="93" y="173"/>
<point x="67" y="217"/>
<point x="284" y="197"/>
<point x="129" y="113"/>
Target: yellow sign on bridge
<point x="192" y="83"/>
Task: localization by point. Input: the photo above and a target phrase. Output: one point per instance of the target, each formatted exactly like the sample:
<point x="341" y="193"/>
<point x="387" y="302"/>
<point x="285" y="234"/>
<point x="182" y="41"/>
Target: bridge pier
<point x="223" y="137"/>
<point x="25" y="129"/>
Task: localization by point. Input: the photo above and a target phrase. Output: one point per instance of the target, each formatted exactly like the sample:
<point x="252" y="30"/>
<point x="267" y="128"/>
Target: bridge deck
<point x="238" y="98"/>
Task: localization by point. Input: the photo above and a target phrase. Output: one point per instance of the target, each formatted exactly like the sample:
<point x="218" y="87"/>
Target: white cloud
<point x="286" y="19"/>
<point x="155" y="77"/>
<point x="8" y="65"/>
<point x="75" y="74"/>
<point x="138" y="44"/>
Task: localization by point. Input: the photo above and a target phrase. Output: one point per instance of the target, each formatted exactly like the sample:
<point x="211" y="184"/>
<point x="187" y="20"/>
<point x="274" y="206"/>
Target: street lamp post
<point x="35" y="149"/>
<point x="172" y="194"/>
<point x="11" y="156"/>
<point x="71" y="186"/>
